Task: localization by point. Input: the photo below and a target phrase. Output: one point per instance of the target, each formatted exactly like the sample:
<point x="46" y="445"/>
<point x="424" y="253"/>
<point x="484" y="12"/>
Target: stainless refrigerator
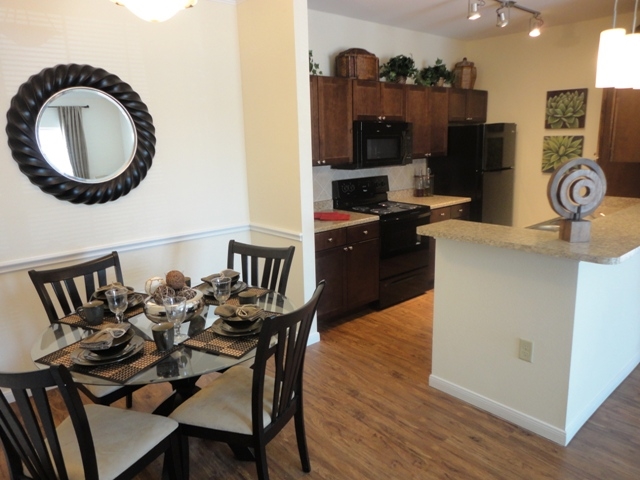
<point x="479" y="164"/>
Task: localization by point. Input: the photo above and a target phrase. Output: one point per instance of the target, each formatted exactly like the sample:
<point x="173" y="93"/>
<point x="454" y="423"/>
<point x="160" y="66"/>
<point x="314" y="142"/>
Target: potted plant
<point x="314" y="68"/>
<point x="398" y="69"/>
<point x="436" y="75"/>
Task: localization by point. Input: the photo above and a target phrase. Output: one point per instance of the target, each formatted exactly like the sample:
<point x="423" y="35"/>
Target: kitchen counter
<point x="577" y="304"/>
<point x="437" y="201"/>
<point x="615" y="235"/>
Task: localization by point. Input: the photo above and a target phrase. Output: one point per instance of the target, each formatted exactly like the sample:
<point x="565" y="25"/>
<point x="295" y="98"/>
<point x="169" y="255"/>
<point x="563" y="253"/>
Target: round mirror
<point x="85" y="135"/>
<point x="81" y="134"/>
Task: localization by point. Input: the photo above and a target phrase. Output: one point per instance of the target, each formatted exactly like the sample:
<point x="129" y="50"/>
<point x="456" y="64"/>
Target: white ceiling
<point x="448" y="18"/>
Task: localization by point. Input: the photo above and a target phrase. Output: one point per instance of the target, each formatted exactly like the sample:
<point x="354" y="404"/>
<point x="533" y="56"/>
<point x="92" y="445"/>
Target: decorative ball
<point x="175" y="279"/>
<point x="152" y="284"/>
<point x="163" y="291"/>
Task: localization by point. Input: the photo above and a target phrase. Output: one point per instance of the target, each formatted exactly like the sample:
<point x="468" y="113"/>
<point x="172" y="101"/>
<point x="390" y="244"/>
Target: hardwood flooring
<point x="370" y="414"/>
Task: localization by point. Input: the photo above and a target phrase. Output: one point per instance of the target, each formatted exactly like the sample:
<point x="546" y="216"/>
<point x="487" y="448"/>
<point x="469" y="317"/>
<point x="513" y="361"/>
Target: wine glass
<point x="222" y="289"/>
<point x="118" y="299"/>
<point x="176" y="308"/>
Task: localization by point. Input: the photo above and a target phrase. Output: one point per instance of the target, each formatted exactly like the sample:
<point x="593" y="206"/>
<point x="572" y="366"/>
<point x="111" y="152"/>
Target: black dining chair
<point x="247" y="407"/>
<point x="71" y="287"/>
<point x="92" y="442"/>
<point x="266" y="267"/>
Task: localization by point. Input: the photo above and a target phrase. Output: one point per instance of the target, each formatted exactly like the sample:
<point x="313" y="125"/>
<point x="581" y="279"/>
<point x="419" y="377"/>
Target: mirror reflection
<point x="86" y="135"/>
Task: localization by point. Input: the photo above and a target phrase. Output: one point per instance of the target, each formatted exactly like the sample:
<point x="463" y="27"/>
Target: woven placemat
<point x="109" y="319"/>
<point x="233" y="300"/>
<point x="116" y="372"/>
<point x="211" y="342"/>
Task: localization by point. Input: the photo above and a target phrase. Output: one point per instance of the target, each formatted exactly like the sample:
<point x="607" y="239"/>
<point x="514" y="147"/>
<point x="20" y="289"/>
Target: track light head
<point x="535" y="24"/>
<point x="474" y="12"/>
<point x="503" y="18"/>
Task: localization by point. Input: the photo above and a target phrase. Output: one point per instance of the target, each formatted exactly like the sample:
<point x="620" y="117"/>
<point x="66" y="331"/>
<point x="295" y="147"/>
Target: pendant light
<point x="155" y="10"/>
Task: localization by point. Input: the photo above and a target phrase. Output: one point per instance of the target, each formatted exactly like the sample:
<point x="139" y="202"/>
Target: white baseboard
<point x="527" y="422"/>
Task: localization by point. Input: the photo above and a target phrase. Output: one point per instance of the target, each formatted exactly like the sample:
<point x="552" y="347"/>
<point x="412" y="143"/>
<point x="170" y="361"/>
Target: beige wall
<point x="516" y="70"/>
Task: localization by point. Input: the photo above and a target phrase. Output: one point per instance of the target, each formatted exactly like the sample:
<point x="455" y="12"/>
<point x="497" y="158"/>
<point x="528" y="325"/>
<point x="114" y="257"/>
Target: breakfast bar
<point x="573" y="307"/>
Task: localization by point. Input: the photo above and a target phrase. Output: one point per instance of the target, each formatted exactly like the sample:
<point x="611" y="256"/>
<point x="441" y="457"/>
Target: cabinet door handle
<point x="330" y="240"/>
<point x="442" y="214"/>
<point x="366" y="232"/>
<point x="346" y="249"/>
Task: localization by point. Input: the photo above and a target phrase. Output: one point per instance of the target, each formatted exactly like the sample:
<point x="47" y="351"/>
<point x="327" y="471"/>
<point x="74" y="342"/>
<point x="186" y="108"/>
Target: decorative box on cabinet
<point x="348" y="259"/>
<point x="331" y="120"/>
<point x="467" y="106"/>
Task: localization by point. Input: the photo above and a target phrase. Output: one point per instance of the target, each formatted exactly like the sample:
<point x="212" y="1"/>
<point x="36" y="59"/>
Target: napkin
<point x="104" y="338"/>
<point x="248" y="312"/>
<point x="225" y="311"/>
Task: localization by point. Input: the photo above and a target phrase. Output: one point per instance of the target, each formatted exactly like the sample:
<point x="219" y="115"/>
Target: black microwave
<point x="380" y="144"/>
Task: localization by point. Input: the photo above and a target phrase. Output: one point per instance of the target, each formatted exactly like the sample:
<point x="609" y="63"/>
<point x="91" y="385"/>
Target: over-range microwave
<point x="380" y="144"/>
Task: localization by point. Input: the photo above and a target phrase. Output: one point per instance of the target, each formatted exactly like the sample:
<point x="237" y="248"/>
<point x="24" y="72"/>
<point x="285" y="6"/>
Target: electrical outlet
<point x="526" y="351"/>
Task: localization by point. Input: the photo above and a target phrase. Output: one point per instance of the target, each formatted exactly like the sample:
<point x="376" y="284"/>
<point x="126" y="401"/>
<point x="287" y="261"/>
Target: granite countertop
<point x="437" y="201"/>
<point x="614" y="236"/>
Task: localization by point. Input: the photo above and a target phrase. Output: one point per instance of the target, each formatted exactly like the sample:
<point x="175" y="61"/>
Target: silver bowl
<point x="157" y="314"/>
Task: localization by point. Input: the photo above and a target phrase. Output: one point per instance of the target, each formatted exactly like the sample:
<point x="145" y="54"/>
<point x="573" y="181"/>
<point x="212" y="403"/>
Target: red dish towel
<point x="331" y="216"/>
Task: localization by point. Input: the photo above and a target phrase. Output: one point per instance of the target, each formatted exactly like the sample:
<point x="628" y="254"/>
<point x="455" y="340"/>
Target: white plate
<point x="87" y="358"/>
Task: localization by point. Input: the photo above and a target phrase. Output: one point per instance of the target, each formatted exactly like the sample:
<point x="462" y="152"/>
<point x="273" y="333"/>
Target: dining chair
<point x="67" y="284"/>
<point x="92" y="442"/>
<point x="275" y="262"/>
<point x="246" y="406"/>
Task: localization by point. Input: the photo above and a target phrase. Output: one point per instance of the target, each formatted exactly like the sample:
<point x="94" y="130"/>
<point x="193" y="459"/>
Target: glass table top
<point x="183" y="363"/>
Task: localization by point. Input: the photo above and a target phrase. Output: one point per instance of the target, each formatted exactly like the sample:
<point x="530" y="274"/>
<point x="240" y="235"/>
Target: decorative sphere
<point x="175" y="279"/>
<point x="152" y="284"/>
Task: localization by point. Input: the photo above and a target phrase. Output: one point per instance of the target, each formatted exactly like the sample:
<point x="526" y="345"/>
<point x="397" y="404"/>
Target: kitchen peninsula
<point x="574" y="306"/>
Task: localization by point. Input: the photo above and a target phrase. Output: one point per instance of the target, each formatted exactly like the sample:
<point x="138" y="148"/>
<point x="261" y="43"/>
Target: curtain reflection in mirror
<point x="73" y="132"/>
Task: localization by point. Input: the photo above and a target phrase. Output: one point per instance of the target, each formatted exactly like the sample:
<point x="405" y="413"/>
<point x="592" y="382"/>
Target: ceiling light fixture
<point x="503" y="19"/>
<point x="534" y="26"/>
<point x="474" y="13"/>
<point x="155" y="10"/>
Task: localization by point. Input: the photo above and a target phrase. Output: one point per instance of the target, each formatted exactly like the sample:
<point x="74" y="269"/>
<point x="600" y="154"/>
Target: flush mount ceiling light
<point x="503" y="14"/>
<point x="474" y="13"/>
<point x="155" y="10"/>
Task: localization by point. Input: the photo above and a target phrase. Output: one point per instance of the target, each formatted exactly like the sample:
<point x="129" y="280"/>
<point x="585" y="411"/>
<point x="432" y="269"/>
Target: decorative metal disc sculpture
<point x="575" y="190"/>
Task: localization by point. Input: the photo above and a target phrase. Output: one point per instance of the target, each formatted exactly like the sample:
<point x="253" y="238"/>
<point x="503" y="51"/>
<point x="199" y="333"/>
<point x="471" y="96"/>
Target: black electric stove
<point x="404" y="255"/>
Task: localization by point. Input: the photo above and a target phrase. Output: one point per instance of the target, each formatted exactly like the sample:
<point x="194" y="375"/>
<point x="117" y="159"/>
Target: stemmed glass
<point x="222" y="289"/>
<point x="118" y="299"/>
<point x="176" y="308"/>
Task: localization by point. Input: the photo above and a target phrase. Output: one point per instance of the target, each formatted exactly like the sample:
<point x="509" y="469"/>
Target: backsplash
<point x="400" y="178"/>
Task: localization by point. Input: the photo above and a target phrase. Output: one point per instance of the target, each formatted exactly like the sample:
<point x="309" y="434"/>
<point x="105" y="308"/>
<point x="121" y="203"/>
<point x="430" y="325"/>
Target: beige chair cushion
<point x="120" y="437"/>
<point x="225" y="404"/>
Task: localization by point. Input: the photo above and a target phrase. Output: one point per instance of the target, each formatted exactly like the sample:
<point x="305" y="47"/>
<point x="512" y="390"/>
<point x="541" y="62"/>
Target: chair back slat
<point x="292" y="333"/>
<point x="265" y="267"/>
<point x="29" y="436"/>
<point x="66" y="283"/>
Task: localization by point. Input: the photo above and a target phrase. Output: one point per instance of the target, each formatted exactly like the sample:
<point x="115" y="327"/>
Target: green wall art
<point x="566" y="108"/>
<point x="559" y="149"/>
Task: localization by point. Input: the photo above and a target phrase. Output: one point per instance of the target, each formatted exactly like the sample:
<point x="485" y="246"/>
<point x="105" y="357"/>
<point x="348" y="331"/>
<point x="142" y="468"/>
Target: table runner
<point x="116" y="372"/>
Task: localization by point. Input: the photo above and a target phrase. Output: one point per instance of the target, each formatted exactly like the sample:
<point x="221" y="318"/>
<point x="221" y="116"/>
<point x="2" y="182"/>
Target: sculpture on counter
<point x="575" y="190"/>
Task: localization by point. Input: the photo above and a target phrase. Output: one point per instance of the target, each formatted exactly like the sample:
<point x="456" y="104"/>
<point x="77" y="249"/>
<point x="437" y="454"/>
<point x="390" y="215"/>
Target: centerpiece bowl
<point x="157" y="314"/>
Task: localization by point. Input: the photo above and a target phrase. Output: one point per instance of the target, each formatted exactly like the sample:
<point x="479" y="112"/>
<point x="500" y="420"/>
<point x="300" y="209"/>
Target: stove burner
<point x="384" y="208"/>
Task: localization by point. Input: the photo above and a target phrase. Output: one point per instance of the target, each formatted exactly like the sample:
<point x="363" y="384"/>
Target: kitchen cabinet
<point x="461" y="211"/>
<point x="331" y="120"/>
<point x="348" y="259"/>
<point x="467" y="106"/>
<point x="427" y="109"/>
<point x="373" y="100"/>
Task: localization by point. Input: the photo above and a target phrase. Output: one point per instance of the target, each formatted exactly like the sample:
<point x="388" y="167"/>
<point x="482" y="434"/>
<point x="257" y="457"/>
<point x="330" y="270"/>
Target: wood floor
<point x="370" y="414"/>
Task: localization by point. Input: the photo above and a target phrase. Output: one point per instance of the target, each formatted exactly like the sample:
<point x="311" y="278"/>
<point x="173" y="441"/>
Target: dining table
<point x="204" y="351"/>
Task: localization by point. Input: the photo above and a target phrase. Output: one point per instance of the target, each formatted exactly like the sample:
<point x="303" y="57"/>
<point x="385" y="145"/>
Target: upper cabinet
<point x="426" y="109"/>
<point x="374" y="100"/>
<point x="467" y="106"/>
<point x="331" y="120"/>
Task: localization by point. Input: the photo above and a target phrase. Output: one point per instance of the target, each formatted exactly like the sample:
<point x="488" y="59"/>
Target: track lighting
<point x="155" y="10"/>
<point x="503" y="14"/>
<point x="503" y="18"/>
<point x="534" y="26"/>
<point x="474" y="13"/>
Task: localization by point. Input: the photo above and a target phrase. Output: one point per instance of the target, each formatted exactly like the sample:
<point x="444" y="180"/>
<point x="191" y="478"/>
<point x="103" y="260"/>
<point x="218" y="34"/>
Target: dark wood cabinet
<point x="348" y="259"/>
<point x="373" y="100"/>
<point x="427" y="110"/>
<point x="331" y="120"/>
<point x="461" y="211"/>
<point x="467" y="106"/>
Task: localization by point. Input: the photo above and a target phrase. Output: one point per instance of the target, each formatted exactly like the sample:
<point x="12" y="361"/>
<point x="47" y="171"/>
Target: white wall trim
<point x="527" y="422"/>
<point x="59" y="257"/>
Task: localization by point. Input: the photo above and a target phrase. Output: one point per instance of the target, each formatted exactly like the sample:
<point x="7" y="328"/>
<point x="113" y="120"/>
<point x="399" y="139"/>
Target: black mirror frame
<point x="21" y="130"/>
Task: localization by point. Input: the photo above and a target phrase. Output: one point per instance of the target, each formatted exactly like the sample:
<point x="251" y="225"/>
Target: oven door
<point x="398" y="233"/>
